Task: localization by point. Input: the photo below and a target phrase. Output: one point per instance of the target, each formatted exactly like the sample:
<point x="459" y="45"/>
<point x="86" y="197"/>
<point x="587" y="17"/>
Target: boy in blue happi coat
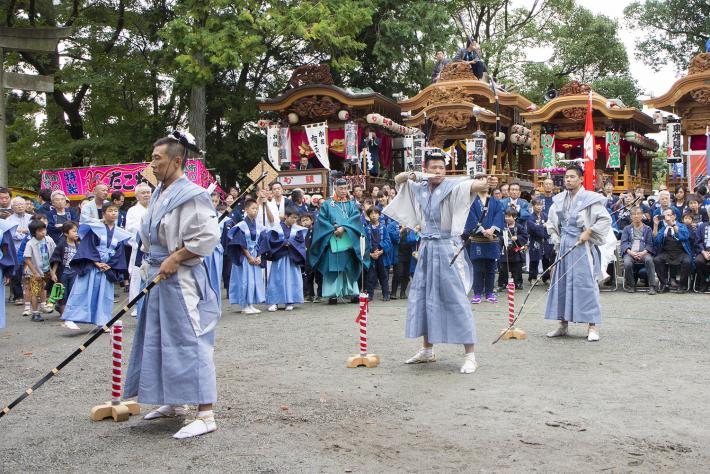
<point x="246" y="284"/>
<point x="98" y="263"/>
<point x="285" y="247"/>
<point x="378" y="244"/>
<point x="540" y="246"/>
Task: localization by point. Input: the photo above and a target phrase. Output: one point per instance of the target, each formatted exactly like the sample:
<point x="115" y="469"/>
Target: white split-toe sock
<point x="560" y="331"/>
<point x="469" y="364"/>
<point x="71" y="325"/>
<point x="204" y="423"/>
<point x="423" y="356"/>
<point x="273" y="308"/>
<point x="593" y="335"/>
<point x="167" y="411"/>
<point x="289" y="307"/>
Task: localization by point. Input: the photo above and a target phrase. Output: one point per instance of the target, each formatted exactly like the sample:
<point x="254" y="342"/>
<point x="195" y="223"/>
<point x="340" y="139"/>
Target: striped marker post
<point x="363" y="358"/>
<point x="511" y="301"/>
<point x="116" y="362"/>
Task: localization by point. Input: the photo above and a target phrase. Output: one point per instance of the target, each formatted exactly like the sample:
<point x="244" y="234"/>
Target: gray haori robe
<point x="574" y="293"/>
<point x="172" y="355"/>
<point x="438" y="306"/>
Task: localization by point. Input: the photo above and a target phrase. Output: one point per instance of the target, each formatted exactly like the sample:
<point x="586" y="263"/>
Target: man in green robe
<point x="335" y="248"/>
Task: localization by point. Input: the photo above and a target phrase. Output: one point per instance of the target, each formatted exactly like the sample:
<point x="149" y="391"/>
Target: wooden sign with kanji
<point x="263" y="167"/>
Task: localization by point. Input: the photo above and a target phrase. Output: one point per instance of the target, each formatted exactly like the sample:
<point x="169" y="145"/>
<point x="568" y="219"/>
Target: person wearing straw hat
<point x="172" y="358"/>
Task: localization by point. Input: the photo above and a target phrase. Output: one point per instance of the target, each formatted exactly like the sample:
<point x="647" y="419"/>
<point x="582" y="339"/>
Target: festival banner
<point x="77" y="183"/>
<point x="272" y="143"/>
<point x="613" y="149"/>
<point x="285" y="145"/>
<point x="674" y="143"/>
<point x="476" y="152"/>
<point x="418" y="153"/>
<point x="408" y="145"/>
<point x="547" y="141"/>
<point x="318" y="141"/>
<point x="351" y="141"/>
<point x="590" y="149"/>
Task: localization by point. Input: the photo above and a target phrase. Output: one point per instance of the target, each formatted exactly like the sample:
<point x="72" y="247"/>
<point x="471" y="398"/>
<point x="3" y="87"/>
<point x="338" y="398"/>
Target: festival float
<point x="324" y="123"/>
<point x="688" y="138"/>
<point x="458" y="114"/>
<point x="624" y="152"/>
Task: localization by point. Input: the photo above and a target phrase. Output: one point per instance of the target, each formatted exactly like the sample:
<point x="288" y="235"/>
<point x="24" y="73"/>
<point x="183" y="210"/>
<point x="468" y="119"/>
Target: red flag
<point x="590" y="149"/>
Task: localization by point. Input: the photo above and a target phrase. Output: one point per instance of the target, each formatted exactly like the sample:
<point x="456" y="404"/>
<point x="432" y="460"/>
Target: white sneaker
<point x="289" y="307"/>
<point x="134" y="313"/>
<point x="469" y="364"/>
<point x="167" y="411"/>
<point x="593" y="335"/>
<point x="71" y="325"/>
<point x="422" y="357"/>
<point x="272" y="308"/>
<point x="201" y="425"/>
<point x="249" y="310"/>
<point x="560" y="331"/>
<point x="27" y="312"/>
<point x="47" y="308"/>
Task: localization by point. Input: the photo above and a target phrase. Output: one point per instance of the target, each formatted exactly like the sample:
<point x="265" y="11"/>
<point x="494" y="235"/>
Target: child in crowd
<point x="98" y="263"/>
<point x="37" y="254"/>
<point x="246" y="284"/>
<point x="514" y="241"/>
<point x="378" y="243"/>
<point x="405" y="255"/>
<point x="699" y="214"/>
<point x="390" y="256"/>
<point x="311" y="276"/>
<point x="692" y="231"/>
<point x="540" y="247"/>
<point x="285" y="247"/>
<point x="61" y="268"/>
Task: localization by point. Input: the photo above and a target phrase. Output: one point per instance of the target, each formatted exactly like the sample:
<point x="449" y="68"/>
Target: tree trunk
<point x="197" y="114"/>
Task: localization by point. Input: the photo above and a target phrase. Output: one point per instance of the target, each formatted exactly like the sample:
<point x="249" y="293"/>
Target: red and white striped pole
<point x="116" y="362"/>
<point x="511" y="301"/>
<point x="362" y="320"/>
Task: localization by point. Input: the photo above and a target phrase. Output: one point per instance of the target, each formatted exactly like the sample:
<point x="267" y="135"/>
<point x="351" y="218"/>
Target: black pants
<point x="703" y="268"/>
<point x="478" y="69"/>
<point x="516" y="268"/>
<point x="534" y="264"/>
<point x="377" y="272"/>
<point x="662" y="268"/>
<point x="401" y="271"/>
<point x="16" y="284"/>
<point x="312" y="277"/>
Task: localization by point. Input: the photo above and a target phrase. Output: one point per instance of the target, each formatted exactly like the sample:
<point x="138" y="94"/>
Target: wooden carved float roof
<point x="549" y="112"/>
<point x="688" y="91"/>
<point x="458" y="109"/>
<point x="372" y="101"/>
<point x="463" y="90"/>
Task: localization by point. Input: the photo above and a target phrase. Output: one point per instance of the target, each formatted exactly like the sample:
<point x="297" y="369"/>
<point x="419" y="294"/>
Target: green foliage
<point x="674" y="30"/>
<point x="660" y="168"/>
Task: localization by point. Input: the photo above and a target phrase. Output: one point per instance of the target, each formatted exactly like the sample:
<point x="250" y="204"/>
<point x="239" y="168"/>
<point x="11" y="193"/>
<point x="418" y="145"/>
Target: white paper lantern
<point x="293" y="118"/>
<point x="343" y="115"/>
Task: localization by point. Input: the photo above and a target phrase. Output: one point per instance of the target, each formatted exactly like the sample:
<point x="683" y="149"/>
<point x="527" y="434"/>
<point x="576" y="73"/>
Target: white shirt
<point x="134" y="217"/>
<point x="263" y="219"/>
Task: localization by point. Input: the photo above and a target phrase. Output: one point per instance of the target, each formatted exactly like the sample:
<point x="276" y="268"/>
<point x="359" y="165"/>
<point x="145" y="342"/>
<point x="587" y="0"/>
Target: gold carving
<point x="574" y="88"/>
<point x="447" y="95"/>
<point x="311" y="74"/>
<point x="700" y="63"/>
<point x="315" y="107"/>
<point x="452" y="120"/>
<point x="457" y="71"/>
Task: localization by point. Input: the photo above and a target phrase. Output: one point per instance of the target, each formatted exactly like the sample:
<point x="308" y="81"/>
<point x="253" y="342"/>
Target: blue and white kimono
<point x="438" y="306"/>
<point x="173" y="347"/>
<point x="92" y="295"/>
<point x="8" y="261"/>
<point x="246" y="283"/>
<point x="574" y="293"/>
<point x="285" y="247"/>
<point x="213" y="264"/>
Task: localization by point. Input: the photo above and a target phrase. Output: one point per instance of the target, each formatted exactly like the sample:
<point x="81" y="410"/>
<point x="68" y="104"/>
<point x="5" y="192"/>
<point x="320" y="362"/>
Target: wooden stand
<point x="514" y="333"/>
<point x="119" y="412"/>
<point x="369" y="361"/>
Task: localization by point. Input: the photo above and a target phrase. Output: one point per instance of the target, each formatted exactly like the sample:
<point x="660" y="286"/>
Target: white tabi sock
<point x="427" y="351"/>
<point x="469" y="364"/>
<point x="167" y="411"/>
<point x="204" y="423"/>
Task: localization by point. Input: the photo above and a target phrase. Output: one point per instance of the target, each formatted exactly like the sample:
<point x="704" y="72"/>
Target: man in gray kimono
<point x="171" y="360"/>
<point x="438" y="309"/>
<point x="578" y="219"/>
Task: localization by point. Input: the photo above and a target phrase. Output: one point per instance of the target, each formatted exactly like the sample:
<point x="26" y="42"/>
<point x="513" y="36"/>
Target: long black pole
<point x="105" y="328"/>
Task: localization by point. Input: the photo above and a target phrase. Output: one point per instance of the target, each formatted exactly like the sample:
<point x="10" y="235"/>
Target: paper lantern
<point x="292" y="118"/>
<point x="343" y="115"/>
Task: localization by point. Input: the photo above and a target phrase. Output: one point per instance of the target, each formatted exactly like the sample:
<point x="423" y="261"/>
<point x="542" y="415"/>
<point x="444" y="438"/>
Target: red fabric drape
<point x="698" y="142"/>
<point x="336" y="144"/>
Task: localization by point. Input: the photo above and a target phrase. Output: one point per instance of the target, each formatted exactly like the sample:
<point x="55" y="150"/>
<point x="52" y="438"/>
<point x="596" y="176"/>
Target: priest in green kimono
<point x="335" y="248"/>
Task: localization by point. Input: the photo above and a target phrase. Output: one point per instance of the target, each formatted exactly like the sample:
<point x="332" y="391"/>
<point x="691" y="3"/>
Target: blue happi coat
<point x="246" y="284"/>
<point x="285" y="247"/>
<point x="8" y="261"/>
<point x="481" y="247"/>
<point x="172" y="354"/>
<point x="539" y="243"/>
<point x="92" y="295"/>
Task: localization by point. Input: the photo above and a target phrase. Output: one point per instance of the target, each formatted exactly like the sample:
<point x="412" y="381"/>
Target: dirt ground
<point x="634" y="402"/>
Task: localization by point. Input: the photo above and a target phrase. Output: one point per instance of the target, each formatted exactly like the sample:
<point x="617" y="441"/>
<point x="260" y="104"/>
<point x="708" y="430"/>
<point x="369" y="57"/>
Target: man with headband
<point x="171" y="360"/>
<point x="438" y="309"/>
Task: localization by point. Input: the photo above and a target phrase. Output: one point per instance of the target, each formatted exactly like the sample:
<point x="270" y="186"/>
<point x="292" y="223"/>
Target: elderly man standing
<point x="21" y="220"/>
<point x="93" y="210"/>
<point x="335" y="248"/>
<point x="578" y="220"/>
<point x="134" y="217"/>
<point x="58" y="214"/>
<point x="172" y="360"/>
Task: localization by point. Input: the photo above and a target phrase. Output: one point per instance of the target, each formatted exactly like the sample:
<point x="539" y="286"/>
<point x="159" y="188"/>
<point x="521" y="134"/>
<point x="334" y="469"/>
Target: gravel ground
<point x="635" y="401"/>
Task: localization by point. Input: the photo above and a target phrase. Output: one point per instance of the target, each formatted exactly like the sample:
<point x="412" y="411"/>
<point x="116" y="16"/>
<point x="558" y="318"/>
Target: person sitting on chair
<point x="637" y="248"/>
<point x="673" y="249"/>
